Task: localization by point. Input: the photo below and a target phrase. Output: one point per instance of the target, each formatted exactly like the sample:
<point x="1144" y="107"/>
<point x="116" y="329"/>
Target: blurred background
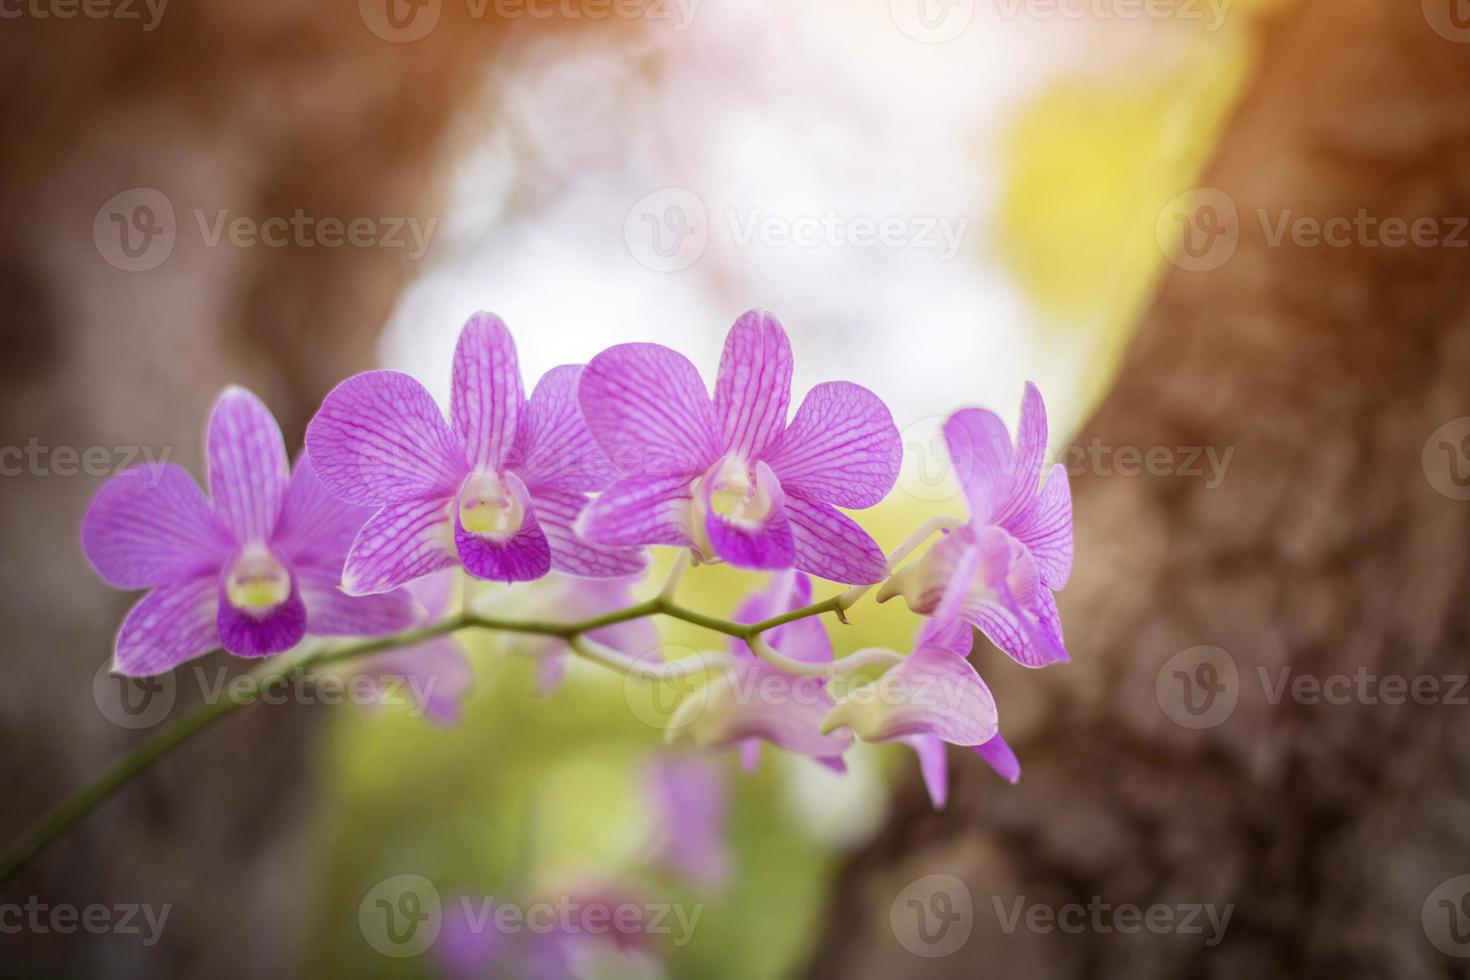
<point x="940" y="199"/>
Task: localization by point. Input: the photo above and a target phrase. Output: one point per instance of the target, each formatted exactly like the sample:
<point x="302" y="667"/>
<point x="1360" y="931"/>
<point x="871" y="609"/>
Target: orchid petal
<point x="1045" y="528"/>
<point x="831" y="545"/>
<point x="486" y="395"/>
<point x="933" y="766"/>
<point x="842" y="447"/>
<point x="639" y="510"/>
<point x="152" y="525"/>
<point x="379" y="438"/>
<point x="767" y="543"/>
<point x="691" y="802"/>
<point x="802" y="639"/>
<point x="753" y="387"/>
<point x="398" y="544"/>
<point x="649" y="411"/>
<point x="248" y="635"/>
<point x="931" y="692"/>
<point x="998" y="755"/>
<point x="248" y="469"/>
<point x="980" y="451"/>
<point x="435" y="673"/>
<point x="523" y="556"/>
<point x="558" y="513"/>
<point x="753" y="700"/>
<point x="172" y="624"/>
<point x="316" y="526"/>
<point x="554" y="449"/>
<point x="332" y="612"/>
<point x="1030" y="454"/>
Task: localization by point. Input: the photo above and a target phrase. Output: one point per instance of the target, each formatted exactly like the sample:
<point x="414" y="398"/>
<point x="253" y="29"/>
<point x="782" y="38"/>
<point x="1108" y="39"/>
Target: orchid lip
<point x="256" y="581"/>
<point x="490" y="507"/>
<point x="730" y="491"/>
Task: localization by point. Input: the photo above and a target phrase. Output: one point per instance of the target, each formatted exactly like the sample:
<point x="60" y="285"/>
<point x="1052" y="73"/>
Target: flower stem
<point x="22" y="851"/>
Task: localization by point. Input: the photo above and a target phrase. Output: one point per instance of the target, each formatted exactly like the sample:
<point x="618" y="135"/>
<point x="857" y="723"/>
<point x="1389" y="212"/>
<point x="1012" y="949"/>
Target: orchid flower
<point x="497" y="489"/>
<point x="568" y="597"/>
<point x="753" y="701"/>
<point x="933" y="697"/>
<point x="253" y="568"/>
<point x="1022" y="537"/>
<point x="728" y="477"/>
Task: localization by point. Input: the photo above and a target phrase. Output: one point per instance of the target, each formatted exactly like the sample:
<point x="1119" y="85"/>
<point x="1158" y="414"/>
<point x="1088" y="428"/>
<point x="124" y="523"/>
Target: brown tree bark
<point x="1326" y="549"/>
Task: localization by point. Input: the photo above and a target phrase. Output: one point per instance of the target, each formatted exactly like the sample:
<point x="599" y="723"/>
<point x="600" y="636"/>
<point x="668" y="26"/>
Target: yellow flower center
<point x="257" y="582"/>
<point x="489" y="507"/>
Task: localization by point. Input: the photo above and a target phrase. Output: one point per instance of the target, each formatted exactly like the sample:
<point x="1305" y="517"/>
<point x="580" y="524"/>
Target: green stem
<point x="20" y="853"/>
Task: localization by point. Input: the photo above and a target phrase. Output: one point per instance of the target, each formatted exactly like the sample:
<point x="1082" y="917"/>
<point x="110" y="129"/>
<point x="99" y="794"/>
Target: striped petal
<point x="766" y="543"/>
<point x="1044" y="526"/>
<point x="639" y="510"/>
<point x="249" y="635"/>
<point x="932" y="692"/>
<point x="151" y="525"/>
<point x="554" y="449"/>
<point x="842" y="447"/>
<point x="248" y="468"/>
<point x="332" y="612"/>
<point x="486" y="397"/>
<point x="753" y="387"/>
<point x="522" y="556"/>
<point x="172" y="624"/>
<point x="558" y="513"/>
<point x="1030" y="455"/>
<point x="649" y="411"/>
<point x="400" y="543"/>
<point x="316" y="526"/>
<point x="379" y="438"/>
<point x="831" y="545"/>
<point x="980" y="451"/>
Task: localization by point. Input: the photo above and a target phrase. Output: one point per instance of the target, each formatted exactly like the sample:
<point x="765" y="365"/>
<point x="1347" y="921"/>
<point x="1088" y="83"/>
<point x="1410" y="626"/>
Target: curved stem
<point x="130" y="765"/>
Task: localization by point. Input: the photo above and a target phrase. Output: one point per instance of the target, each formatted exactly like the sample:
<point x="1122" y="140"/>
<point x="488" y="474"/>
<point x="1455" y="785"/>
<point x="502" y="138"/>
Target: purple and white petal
<point x="639" y="510"/>
<point x="1029" y="456"/>
<point x="332" y="612"/>
<point x="172" y="624"/>
<point x="980" y="451"/>
<point x="933" y="766"/>
<point x="400" y="543"/>
<point x="554" y="449"/>
<point x="763" y="543"/>
<point x="256" y="635"/>
<point x="248" y="468"/>
<point x="520" y="556"/>
<point x="842" y="447"/>
<point x="316" y="526"/>
<point x="435" y="676"/>
<point x="558" y="513"/>
<point x="753" y="387"/>
<point x="931" y="692"/>
<point x="831" y="545"/>
<point x="998" y="755"/>
<point x="1044" y="526"/>
<point x="691" y="805"/>
<point x="486" y="397"/>
<point x="753" y="700"/>
<point x="152" y="525"/>
<point x="379" y="438"/>
<point x="649" y="411"/>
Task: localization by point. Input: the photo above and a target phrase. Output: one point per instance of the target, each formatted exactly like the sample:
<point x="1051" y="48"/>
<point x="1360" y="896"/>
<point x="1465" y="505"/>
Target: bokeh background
<point x="598" y="174"/>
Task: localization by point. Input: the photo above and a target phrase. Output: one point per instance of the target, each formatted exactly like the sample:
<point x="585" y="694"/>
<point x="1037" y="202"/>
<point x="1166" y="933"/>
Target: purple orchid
<point x="753" y="701"/>
<point x="435" y="673"/>
<point x="728" y="477"/>
<point x="569" y="598"/>
<point x="497" y="491"/>
<point x="253" y="568"/>
<point x="933" y="697"/>
<point x="1022" y="537"/>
